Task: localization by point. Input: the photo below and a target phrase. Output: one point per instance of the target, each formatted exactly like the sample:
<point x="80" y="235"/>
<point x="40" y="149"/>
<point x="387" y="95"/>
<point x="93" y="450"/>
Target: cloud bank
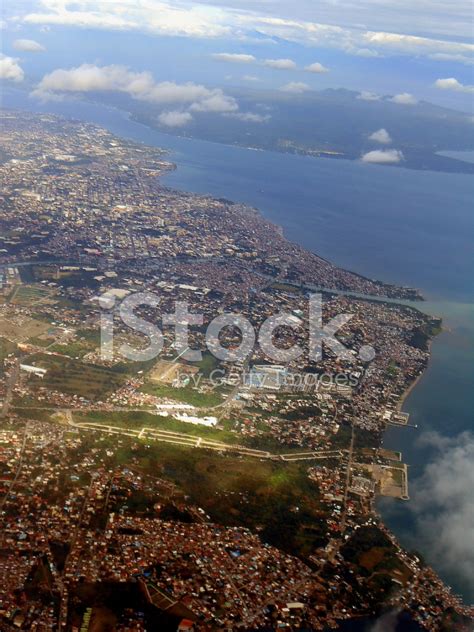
<point x="152" y="16"/>
<point x="138" y="85"/>
<point x="443" y="499"/>
<point x="239" y="19"/>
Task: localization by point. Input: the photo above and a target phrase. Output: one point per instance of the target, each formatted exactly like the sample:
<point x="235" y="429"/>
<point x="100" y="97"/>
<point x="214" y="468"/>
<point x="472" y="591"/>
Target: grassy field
<point x="138" y="420"/>
<point x="207" y="365"/>
<point x="20" y="331"/>
<point x="86" y="341"/>
<point x="276" y="498"/>
<point x="34" y="413"/>
<point x="74" y="349"/>
<point x="29" y="295"/>
<point x="6" y="347"/>
<point x="76" y="378"/>
<point x="186" y="395"/>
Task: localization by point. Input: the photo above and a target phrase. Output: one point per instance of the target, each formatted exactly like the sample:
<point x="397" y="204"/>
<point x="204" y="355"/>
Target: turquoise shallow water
<point x="408" y="227"/>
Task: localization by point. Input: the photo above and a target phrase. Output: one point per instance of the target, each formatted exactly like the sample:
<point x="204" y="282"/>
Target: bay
<point x="401" y="226"/>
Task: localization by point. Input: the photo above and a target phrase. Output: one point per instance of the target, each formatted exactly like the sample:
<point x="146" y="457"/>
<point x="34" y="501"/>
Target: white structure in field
<point x="203" y="421"/>
<point x="33" y="369"/>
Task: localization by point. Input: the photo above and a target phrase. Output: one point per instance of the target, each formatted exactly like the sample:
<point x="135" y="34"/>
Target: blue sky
<point x="376" y="46"/>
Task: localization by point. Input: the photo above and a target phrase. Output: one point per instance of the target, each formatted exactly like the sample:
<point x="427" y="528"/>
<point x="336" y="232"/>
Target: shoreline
<point x="413" y="385"/>
<point x="418" y="379"/>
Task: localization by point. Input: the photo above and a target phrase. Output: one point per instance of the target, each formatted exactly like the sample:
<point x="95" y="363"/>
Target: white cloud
<point x="453" y="84"/>
<point x="215" y="102"/>
<point x="295" y="87"/>
<point x="363" y="52"/>
<point x="153" y="16"/>
<point x="368" y="96"/>
<point x="357" y="41"/>
<point x="28" y="46"/>
<point x="385" y="34"/>
<point x="175" y="118"/>
<point x="250" y="117"/>
<point x="316" y="68"/>
<point x="443" y="499"/>
<point x="280" y="64"/>
<point x="405" y="98"/>
<point x="414" y="45"/>
<point x="381" y="136"/>
<point x="427" y="16"/>
<point x="251" y="78"/>
<point x="235" y="58"/>
<point x="383" y="156"/>
<point x="10" y="69"/>
<point x="139" y="85"/>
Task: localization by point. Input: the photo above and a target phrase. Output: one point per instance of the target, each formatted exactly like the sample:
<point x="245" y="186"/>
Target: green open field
<point x="6" y="347"/>
<point x="86" y="340"/>
<point x="138" y="420"/>
<point x="276" y="498"/>
<point x="75" y="349"/>
<point x="208" y="363"/>
<point x="18" y="330"/>
<point x="186" y="395"/>
<point x="28" y="295"/>
<point x="76" y="378"/>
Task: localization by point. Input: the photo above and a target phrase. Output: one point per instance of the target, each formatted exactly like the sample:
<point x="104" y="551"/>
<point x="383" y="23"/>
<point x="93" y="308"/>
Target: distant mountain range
<point x="334" y="123"/>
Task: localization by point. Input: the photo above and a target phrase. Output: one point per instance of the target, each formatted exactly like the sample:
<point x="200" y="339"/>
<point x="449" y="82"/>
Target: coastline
<point x="418" y="379"/>
<point x="412" y="386"/>
<point x="458" y="165"/>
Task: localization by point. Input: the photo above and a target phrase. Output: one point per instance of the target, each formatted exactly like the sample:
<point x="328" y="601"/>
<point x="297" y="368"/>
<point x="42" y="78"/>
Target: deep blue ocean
<point x="407" y="227"/>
